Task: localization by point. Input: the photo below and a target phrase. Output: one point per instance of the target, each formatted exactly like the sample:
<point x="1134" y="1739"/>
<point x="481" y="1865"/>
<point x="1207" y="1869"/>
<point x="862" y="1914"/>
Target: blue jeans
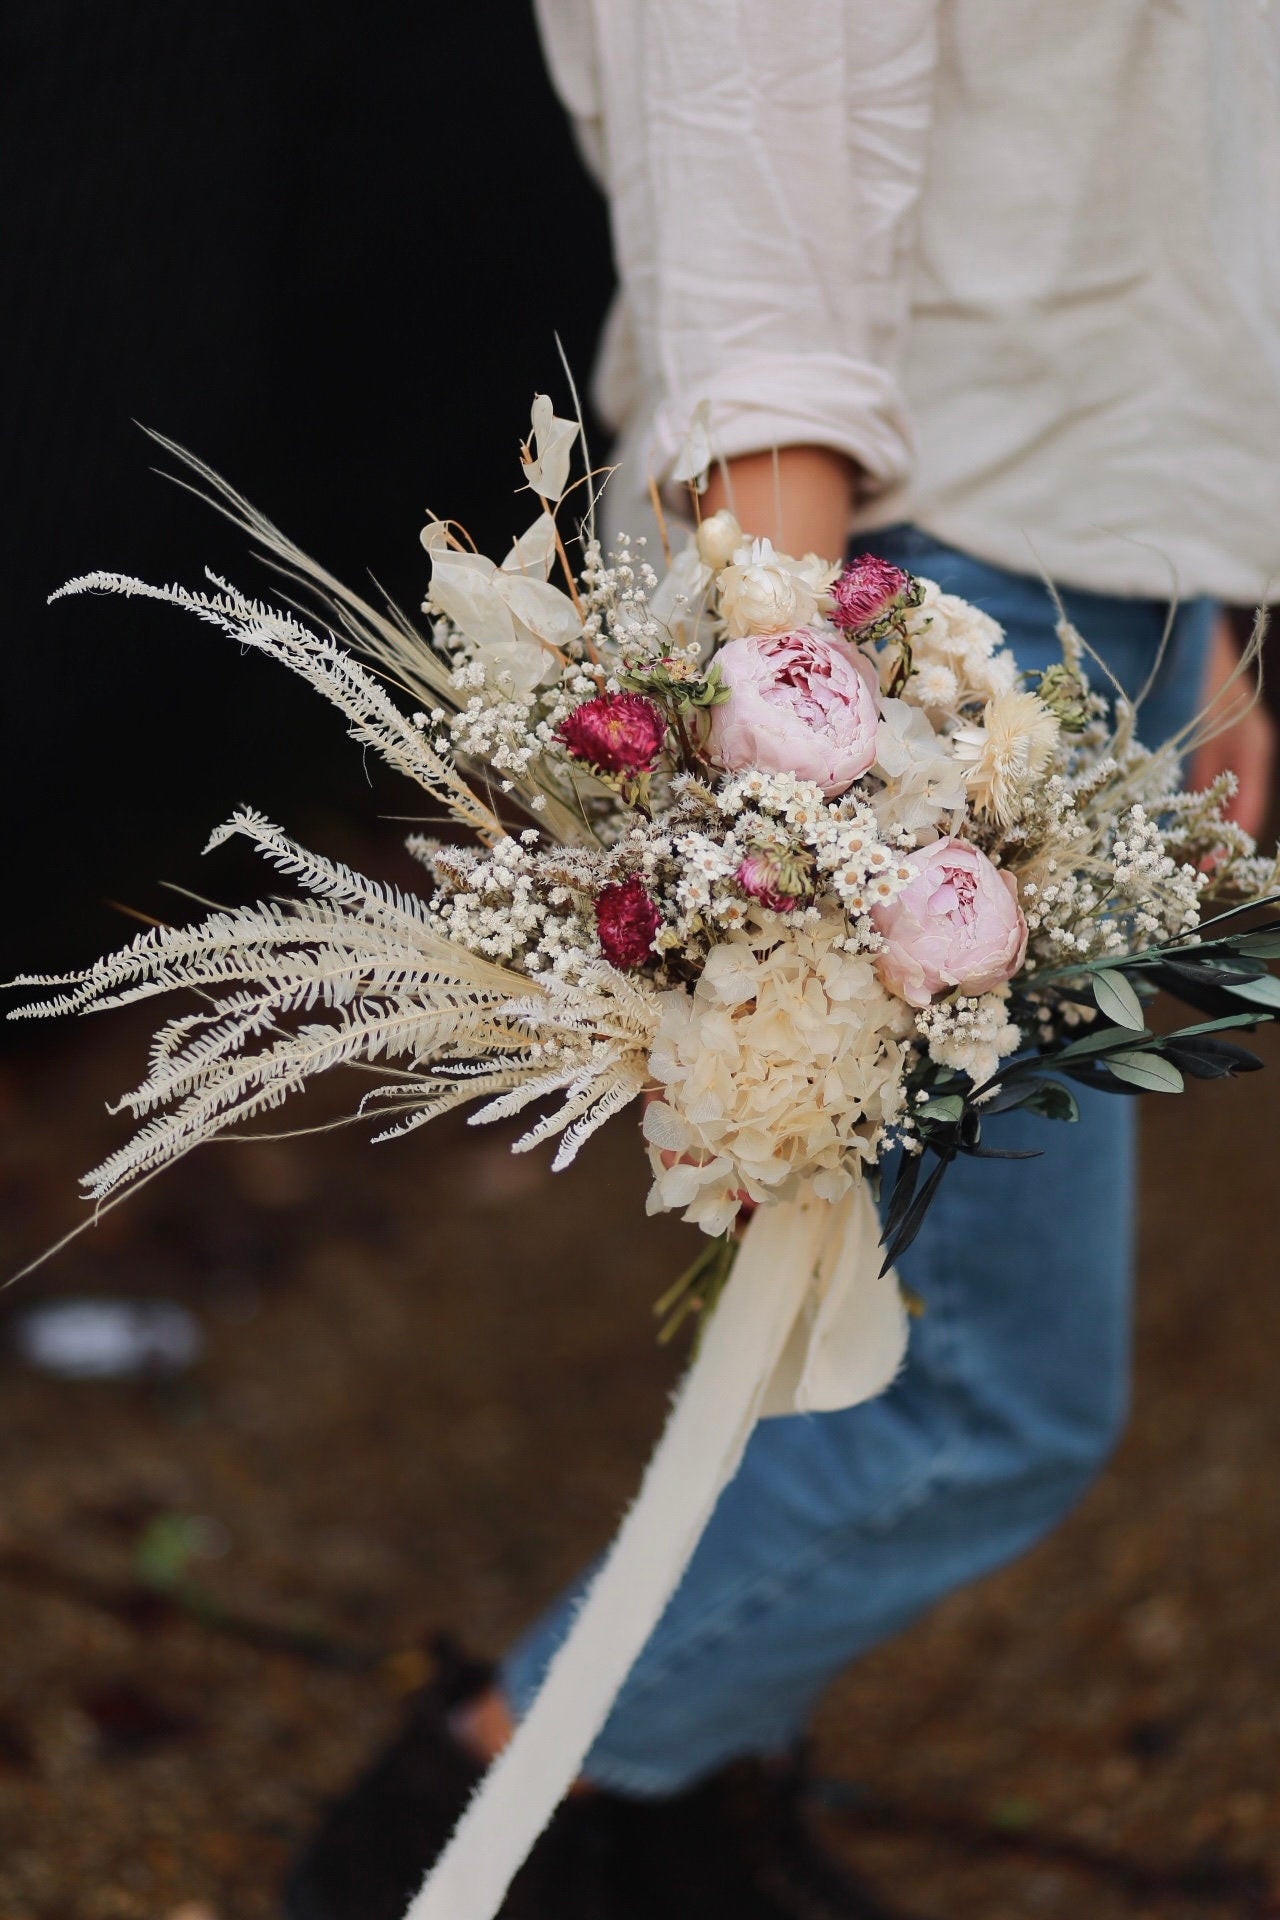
<point x="840" y="1528"/>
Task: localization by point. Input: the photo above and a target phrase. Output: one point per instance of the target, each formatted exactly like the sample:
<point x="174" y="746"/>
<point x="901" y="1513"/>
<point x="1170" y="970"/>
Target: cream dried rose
<point x="768" y="592"/>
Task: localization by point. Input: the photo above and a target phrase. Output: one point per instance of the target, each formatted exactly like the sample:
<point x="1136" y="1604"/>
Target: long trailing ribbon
<point x="806" y="1323"/>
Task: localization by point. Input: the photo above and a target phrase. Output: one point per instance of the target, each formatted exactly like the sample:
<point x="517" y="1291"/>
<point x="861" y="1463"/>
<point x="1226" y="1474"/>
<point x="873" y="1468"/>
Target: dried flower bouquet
<point x="787" y="844"/>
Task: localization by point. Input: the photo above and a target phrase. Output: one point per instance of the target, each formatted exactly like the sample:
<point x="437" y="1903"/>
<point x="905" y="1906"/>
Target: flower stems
<point x="698" y="1288"/>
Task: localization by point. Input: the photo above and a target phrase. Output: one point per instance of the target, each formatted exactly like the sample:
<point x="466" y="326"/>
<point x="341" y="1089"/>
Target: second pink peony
<point x="956" y="924"/>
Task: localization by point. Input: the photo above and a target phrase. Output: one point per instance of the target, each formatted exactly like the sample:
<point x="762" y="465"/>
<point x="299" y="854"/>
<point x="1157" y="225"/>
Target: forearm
<point x="1246" y="744"/>
<point x="800" y="498"/>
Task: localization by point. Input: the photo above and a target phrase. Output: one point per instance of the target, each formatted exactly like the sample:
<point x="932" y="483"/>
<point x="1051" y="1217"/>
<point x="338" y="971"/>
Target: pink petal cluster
<point x="626" y="921"/>
<point x="957" y="923"/>
<point x="867" y="589"/>
<point x="759" y="876"/>
<point x="797" y="703"/>
<point x="616" y="732"/>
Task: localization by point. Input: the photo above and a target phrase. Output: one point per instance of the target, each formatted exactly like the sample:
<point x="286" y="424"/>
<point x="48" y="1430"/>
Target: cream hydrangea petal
<point x="664" y="1128"/>
<point x="783" y="1064"/>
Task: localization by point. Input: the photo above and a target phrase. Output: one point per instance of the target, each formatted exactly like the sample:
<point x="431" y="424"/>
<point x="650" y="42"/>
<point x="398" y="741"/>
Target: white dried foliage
<point x="372" y="716"/>
<point x="445" y="1025"/>
<point x="494" y="990"/>
<point x="397" y="648"/>
<point x="389" y="638"/>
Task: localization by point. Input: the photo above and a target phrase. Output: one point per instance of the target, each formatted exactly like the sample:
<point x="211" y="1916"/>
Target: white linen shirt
<point x="1021" y="262"/>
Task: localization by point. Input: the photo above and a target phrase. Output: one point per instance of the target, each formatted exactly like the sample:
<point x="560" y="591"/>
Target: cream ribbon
<point x="806" y="1323"/>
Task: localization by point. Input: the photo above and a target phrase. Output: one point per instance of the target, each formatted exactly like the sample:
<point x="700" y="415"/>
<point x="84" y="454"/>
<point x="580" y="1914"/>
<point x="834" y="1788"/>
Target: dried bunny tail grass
<point x="356" y="976"/>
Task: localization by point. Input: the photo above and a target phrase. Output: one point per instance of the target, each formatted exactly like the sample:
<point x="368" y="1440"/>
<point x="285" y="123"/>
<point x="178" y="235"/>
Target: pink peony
<point x="956" y="924"/>
<point x="617" y="732"/>
<point x="798" y="703"/>
<point x="763" y="877"/>
<point x="626" y="920"/>
<point x="868" y="589"/>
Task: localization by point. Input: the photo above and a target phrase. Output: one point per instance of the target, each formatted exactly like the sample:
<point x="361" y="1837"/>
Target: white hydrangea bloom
<point x="783" y="1064"/>
<point x="923" y="780"/>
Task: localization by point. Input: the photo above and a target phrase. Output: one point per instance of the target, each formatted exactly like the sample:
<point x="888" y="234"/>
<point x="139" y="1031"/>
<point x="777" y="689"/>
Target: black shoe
<point x="736" y="1847"/>
<point x="376" y="1841"/>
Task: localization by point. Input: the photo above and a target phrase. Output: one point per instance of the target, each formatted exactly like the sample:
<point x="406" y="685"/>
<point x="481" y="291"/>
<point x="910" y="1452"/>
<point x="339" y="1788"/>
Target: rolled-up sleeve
<point x="762" y="164"/>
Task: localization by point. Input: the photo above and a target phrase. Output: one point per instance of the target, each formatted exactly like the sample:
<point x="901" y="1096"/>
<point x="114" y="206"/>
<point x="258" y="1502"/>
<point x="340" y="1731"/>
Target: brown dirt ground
<point x="429" y="1388"/>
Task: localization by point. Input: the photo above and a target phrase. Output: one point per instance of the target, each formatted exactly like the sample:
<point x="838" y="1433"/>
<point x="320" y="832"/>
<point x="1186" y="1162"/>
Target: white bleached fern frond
<point x="444" y="1025"/>
<point x="372" y="716"/>
<point x="320" y="875"/>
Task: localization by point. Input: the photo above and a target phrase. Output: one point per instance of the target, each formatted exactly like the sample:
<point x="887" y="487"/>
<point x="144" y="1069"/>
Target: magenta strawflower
<point x="615" y="733"/>
<point x="626" y="921"/>
<point x="867" y="590"/>
<point x="764" y="877"/>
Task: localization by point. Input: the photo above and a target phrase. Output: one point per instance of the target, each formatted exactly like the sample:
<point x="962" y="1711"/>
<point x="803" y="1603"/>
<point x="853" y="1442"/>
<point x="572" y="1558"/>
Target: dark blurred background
<point x="328" y="250"/>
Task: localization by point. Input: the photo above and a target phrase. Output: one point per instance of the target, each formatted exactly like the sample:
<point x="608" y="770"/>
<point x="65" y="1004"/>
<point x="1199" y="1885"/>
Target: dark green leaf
<point x="1149" y="1070"/>
<point x="1264" y="992"/>
<point x="1037" y="1093"/>
<point x="1097" y="1040"/>
<point x="1222" y="1025"/>
<point x="1209" y="1059"/>
<point x="1005" y="1153"/>
<point x="1117" y="1000"/>
<point x="1264" y="943"/>
<point x="1013" y="1093"/>
<point x="1054" y="1101"/>
<point x="1245" y="906"/>
<point x="1194" y="992"/>
<point x="913" y="1218"/>
<point x="903" y="1188"/>
<point x="1092" y="1073"/>
<point x="1216" y="969"/>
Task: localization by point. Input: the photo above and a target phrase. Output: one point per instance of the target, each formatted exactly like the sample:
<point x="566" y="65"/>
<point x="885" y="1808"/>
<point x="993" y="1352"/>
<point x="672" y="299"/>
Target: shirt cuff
<point x="818" y="399"/>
